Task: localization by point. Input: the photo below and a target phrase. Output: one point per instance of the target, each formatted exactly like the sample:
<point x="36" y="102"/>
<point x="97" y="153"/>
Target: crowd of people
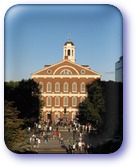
<point x="45" y="131"/>
<point x="80" y="147"/>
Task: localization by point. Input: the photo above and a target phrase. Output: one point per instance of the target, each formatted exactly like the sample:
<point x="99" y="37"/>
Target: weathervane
<point x="69" y="37"/>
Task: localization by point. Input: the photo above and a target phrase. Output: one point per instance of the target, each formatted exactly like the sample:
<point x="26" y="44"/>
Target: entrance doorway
<point x="48" y="116"/>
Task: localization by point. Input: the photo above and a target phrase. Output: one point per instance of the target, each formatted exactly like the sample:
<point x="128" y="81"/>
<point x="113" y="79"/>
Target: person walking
<point x="73" y="148"/>
<point x="80" y="146"/>
<point x="62" y="141"/>
<point x="45" y="138"/>
<point x="55" y="134"/>
<point x="59" y="134"/>
<point x="50" y="128"/>
<point x="89" y="149"/>
<point x="38" y="142"/>
<point x="70" y="149"/>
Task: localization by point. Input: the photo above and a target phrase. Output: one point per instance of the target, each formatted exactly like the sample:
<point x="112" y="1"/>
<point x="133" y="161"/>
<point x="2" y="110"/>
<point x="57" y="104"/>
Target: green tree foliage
<point x="13" y="134"/>
<point x="91" y="109"/>
<point x="113" y="117"/>
<point x="95" y="96"/>
<point x="26" y="97"/>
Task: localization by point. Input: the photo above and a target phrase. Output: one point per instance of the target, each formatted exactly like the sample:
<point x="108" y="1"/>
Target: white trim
<point x="81" y="87"/>
<point x="49" y="72"/>
<point x="74" y="84"/>
<point x="65" y="105"/>
<point x="61" y="109"/>
<point x="47" y="100"/>
<point x="66" y="67"/>
<point x="65" y="83"/>
<point x="88" y="69"/>
<point x="47" y="88"/>
<point x="66" y="76"/>
<point x="74" y="101"/>
<point x="45" y="68"/>
<point x="64" y="94"/>
<point x="83" y="71"/>
<point x="56" y="86"/>
<point x="65" y="72"/>
<point x="41" y="86"/>
<point x="82" y="98"/>
<point x="58" y="101"/>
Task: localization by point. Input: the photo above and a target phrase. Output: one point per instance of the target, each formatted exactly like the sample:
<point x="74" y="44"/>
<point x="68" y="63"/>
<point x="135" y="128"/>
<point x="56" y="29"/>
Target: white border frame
<point x="127" y="156"/>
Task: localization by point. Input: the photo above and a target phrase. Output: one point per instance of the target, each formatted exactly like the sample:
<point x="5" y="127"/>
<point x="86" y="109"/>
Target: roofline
<point x="67" y="76"/>
<point x="70" y="62"/>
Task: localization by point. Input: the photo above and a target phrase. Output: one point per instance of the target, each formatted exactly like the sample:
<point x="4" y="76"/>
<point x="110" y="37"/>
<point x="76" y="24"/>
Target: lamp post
<point x="64" y="116"/>
<point x="51" y="117"/>
<point x="65" y="110"/>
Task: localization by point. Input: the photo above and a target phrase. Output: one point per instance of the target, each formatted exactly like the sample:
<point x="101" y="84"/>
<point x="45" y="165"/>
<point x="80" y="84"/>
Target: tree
<point x="113" y="117"/>
<point x="91" y="109"/>
<point x="13" y="134"/>
<point x="95" y="95"/>
<point x="26" y="96"/>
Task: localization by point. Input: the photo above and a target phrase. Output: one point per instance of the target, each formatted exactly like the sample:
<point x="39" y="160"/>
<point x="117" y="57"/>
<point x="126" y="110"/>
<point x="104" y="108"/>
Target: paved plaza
<point x="55" y="146"/>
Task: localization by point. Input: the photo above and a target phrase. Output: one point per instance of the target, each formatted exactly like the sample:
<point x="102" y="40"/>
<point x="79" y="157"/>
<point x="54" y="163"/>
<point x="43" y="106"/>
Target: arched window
<point x="68" y="52"/>
<point x="49" y="87"/>
<point x="57" y="87"/>
<point x="74" y="101"/>
<point x="48" y="101"/>
<point x="57" y="101"/>
<point x="65" y="101"/>
<point x="82" y="99"/>
<point x="65" y="87"/>
<point x="41" y="86"/>
<point x="74" y="87"/>
<point x="82" y="87"/>
<point x="66" y="72"/>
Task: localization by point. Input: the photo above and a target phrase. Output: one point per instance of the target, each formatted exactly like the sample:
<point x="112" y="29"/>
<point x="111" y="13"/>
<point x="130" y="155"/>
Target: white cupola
<point x="69" y="51"/>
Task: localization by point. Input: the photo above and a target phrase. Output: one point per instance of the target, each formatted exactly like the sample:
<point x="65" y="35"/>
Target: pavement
<point x="53" y="146"/>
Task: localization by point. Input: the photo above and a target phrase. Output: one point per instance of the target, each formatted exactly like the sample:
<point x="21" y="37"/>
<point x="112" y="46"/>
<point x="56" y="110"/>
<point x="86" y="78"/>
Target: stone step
<point x="51" y="151"/>
<point x="52" y="144"/>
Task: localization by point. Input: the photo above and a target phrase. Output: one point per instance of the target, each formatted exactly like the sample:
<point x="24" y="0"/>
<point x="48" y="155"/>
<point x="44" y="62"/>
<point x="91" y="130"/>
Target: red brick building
<point x="63" y="85"/>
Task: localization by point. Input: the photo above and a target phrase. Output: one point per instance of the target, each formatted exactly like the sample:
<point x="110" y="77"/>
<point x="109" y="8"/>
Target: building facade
<point x="63" y="85"/>
<point x="119" y="70"/>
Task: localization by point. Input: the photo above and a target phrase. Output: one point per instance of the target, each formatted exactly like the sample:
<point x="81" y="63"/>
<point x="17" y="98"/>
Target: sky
<point x="35" y="36"/>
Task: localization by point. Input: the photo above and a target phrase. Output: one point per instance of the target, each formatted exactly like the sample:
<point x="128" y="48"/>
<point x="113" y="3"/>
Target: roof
<point x="69" y="42"/>
<point x="75" y="69"/>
